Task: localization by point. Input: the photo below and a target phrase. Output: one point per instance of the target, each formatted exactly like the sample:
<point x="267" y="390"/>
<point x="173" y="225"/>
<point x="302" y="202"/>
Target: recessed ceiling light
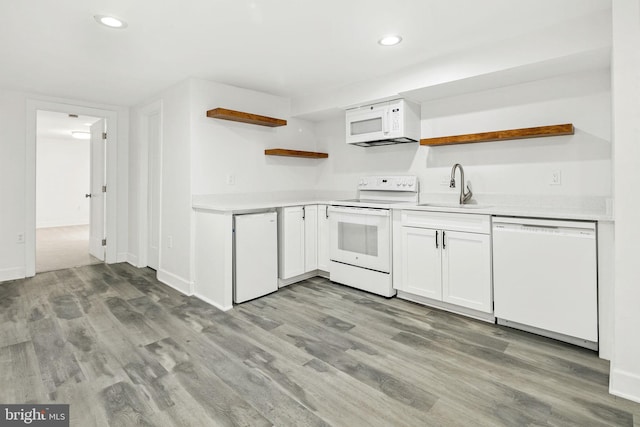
<point x="80" y="134"/>
<point x="110" y="21"/>
<point x="391" y="40"/>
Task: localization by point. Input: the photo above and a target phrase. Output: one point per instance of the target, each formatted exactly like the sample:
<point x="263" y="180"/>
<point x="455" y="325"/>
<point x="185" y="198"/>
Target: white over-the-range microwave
<point x="383" y="123"/>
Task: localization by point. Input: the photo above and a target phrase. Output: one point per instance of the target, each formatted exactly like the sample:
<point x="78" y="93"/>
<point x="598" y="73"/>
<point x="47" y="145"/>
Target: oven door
<point x="360" y="237"/>
<point x="367" y="124"/>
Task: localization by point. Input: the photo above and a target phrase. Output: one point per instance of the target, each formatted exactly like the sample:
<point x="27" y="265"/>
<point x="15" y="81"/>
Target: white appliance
<point x="384" y="123"/>
<point x="360" y="233"/>
<point x="545" y="278"/>
<point x="255" y="270"/>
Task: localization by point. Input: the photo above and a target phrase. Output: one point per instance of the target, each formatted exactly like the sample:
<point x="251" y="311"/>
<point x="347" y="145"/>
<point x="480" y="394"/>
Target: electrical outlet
<point x="231" y="179"/>
<point x="556" y="177"/>
<point x="170" y="242"/>
<point x="444" y="181"/>
<point x="20" y="238"/>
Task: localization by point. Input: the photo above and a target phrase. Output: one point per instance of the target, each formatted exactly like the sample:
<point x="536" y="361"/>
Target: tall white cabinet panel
<point x="292" y="244"/>
<point x="323" y="237"/>
<point x="466" y="270"/>
<point x="310" y="220"/>
<point x="298" y="241"/>
<point x="421" y="258"/>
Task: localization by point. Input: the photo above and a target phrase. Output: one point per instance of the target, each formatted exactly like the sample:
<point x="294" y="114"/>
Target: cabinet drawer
<point x="471" y="223"/>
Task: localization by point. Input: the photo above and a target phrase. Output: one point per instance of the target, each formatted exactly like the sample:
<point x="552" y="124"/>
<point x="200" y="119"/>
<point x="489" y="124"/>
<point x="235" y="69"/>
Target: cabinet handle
<point x="444" y="245"/>
<point x="436" y="239"/>
<point x="326" y="211"/>
<point x="303" y="213"/>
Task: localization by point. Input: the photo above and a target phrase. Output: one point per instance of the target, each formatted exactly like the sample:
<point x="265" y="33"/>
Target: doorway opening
<point x="69" y="172"/>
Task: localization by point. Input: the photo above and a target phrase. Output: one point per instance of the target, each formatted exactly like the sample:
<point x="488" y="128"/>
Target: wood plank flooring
<point x="123" y="349"/>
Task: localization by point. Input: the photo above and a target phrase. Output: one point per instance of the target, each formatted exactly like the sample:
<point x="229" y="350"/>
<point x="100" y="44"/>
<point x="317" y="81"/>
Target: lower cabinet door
<point x="323" y="237"/>
<point x="292" y="256"/>
<point x="421" y="262"/>
<point x="310" y="238"/>
<point x="466" y="270"/>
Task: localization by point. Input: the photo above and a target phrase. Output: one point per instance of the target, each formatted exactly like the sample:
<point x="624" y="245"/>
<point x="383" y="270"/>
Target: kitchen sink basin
<point x="455" y="205"/>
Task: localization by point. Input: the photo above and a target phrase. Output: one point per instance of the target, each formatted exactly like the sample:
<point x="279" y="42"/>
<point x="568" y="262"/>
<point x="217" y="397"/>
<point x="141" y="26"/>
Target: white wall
<point x="222" y="148"/>
<point x="518" y="167"/>
<point x="13" y="176"/>
<point x="12" y="187"/>
<point x="62" y="180"/>
<point x="175" y="227"/>
<point x="625" y="366"/>
<point x="199" y="153"/>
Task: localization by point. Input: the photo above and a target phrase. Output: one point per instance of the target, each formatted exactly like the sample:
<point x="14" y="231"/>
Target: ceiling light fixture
<point x="110" y="21"/>
<point x="390" y="40"/>
<point x="80" y="134"/>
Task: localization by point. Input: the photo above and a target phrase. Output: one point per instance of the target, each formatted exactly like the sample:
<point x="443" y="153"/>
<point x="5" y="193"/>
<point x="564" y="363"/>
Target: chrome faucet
<point x="464" y="196"/>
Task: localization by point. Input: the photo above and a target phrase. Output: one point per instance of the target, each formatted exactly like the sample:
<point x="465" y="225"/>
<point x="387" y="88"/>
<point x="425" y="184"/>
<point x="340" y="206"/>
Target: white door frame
<point x="33" y="105"/>
<point x="143" y="189"/>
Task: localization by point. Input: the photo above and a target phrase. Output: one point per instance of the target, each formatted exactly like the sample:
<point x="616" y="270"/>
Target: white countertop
<point x="577" y="208"/>
<point x="254" y="202"/>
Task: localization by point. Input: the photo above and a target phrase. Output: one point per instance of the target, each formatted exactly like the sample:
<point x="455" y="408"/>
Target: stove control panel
<point x="389" y="183"/>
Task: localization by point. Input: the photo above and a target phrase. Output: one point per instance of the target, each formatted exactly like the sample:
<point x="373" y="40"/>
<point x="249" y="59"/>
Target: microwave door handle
<point x="385" y="121"/>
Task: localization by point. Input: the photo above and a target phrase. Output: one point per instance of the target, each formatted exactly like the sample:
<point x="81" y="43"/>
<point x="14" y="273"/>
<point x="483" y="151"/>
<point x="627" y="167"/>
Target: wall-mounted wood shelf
<point x="501" y="135"/>
<point x="295" y="153"/>
<point x="239" y="116"/>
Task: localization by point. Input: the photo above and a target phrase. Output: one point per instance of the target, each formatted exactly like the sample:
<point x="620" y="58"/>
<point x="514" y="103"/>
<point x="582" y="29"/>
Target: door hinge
<point x="104" y="188"/>
<point x="104" y="242"/>
<point x="104" y="135"/>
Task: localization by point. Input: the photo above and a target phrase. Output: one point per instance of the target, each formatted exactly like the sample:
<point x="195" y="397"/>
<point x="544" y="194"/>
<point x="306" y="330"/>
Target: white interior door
<point x="98" y="180"/>
<point x="153" y="244"/>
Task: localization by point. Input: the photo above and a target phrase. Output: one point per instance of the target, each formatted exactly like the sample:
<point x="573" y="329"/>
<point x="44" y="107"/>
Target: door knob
<point x="88" y="195"/>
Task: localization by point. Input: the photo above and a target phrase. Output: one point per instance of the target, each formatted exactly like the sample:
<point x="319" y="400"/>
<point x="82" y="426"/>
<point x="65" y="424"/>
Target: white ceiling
<point x="284" y="47"/>
<point x="52" y="125"/>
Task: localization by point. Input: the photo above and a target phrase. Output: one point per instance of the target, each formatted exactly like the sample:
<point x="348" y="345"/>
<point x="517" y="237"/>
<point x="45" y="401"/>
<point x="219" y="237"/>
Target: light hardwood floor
<point x="63" y="247"/>
<point x="123" y="349"/>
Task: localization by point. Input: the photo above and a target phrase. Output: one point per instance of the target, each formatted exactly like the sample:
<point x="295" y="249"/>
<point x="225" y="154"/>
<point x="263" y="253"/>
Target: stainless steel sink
<point x="455" y="205"/>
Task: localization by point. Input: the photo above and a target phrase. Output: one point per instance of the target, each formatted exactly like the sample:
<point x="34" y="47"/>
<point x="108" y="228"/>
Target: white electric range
<point x="360" y="233"/>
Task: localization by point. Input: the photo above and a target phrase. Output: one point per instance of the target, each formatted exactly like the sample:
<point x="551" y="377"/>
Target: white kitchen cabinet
<point x="310" y="220"/>
<point x="298" y="230"/>
<point x="445" y="257"/>
<point x="291" y="245"/>
<point x="421" y="261"/>
<point x="466" y="270"/>
<point x="323" y="237"/>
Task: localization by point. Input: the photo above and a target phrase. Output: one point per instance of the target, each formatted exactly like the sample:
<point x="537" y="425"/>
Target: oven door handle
<point x="359" y="211"/>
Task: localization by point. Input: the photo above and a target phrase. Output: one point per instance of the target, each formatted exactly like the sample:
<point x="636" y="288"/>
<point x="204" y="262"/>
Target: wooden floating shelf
<point x="239" y="116"/>
<point x="501" y="135"/>
<point x="295" y="153"/>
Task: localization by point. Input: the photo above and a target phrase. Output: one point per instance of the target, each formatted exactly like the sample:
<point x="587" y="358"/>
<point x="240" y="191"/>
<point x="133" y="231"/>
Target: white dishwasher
<point x="255" y="267"/>
<point x="545" y="278"/>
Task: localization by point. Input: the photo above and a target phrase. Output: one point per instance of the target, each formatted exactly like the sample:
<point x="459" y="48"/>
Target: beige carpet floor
<point x="63" y="247"/>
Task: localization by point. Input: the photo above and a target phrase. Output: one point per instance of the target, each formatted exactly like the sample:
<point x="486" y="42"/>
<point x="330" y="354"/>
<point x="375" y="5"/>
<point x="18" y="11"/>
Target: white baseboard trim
<point x="479" y="315"/>
<point x="625" y="384"/>
<point x="291" y="280"/>
<point x="176" y="282"/>
<point x="122" y="257"/>
<point x="213" y="303"/>
<point x="12" y="274"/>
<point x="133" y="260"/>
